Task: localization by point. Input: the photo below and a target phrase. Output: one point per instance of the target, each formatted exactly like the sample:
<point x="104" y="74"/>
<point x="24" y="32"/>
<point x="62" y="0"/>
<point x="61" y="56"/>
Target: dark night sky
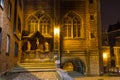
<point x="110" y="12"/>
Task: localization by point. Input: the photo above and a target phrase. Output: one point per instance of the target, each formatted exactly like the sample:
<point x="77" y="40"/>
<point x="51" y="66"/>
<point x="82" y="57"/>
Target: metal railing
<point x="63" y="75"/>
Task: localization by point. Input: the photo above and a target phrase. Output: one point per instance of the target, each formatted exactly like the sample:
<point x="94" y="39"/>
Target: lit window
<point x="9" y="9"/>
<point x="8" y="45"/>
<point x="32" y="24"/>
<point x="72" y="25"/>
<point x="2" y="3"/>
<point x="41" y="23"/>
<point x="45" y="25"/>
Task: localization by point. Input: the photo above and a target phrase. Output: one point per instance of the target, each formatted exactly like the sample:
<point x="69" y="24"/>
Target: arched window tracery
<point x="72" y="25"/>
<point x="32" y="24"/>
<point x="40" y="23"/>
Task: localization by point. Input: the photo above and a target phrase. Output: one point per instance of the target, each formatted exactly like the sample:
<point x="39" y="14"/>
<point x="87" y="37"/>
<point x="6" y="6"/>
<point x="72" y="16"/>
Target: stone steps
<point x="31" y="67"/>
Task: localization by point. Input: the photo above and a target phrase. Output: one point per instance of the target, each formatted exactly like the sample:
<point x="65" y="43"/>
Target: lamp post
<point x="57" y="46"/>
<point x="105" y="61"/>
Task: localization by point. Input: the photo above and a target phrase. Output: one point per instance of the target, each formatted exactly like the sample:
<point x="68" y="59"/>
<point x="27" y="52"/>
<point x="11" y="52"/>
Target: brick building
<point x="44" y="29"/>
<point x="11" y="21"/>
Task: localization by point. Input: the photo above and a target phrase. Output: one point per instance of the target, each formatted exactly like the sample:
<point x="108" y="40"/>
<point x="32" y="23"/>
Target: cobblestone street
<point x="97" y="78"/>
<point x="51" y="76"/>
<point x="31" y="76"/>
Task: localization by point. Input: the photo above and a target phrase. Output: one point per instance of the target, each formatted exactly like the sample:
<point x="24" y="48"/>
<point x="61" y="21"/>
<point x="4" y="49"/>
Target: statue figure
<point x="37" y="42"/>
<point x="46" y="47"/>
<point x="28" y="46"/>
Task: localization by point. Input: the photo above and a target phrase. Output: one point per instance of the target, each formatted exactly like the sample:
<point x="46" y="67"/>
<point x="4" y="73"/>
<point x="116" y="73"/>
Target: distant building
<point x="114" y="42"/>
<point x="112" y="48"/>
<point x="68" y="31"/>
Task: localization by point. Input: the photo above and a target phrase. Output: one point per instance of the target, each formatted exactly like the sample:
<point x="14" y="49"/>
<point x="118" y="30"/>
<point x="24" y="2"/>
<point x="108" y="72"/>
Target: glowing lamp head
<point x="56" y="31"/>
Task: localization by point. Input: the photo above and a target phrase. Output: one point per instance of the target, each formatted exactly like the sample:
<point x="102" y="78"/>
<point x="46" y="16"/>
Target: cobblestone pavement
<point x="97" y="78"/>
<point x="31" y="76"/>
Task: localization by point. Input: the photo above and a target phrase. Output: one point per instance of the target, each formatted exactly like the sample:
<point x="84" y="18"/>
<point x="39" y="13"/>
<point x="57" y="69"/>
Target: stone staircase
<point x="34" y="67"/>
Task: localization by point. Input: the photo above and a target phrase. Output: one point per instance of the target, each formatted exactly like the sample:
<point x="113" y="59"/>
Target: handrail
<point x="63" y="75"/>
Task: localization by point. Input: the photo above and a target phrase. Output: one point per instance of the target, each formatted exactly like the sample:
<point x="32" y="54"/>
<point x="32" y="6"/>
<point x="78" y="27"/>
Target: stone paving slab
<point x="97" y="78"/>
<point x="31" y="76"/>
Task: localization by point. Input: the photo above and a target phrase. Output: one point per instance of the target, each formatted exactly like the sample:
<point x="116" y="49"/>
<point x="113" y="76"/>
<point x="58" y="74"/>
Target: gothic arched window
<point x="40" y="22"/>
<point x="45" y="25"/>
<point x="32" y="24"/>
<point x="72" y="26"/>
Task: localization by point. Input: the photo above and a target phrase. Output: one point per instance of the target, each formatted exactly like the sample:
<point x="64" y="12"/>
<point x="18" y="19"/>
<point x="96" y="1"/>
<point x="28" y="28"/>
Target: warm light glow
<point x="56" y="31"/>
<point x="105" y="55"/>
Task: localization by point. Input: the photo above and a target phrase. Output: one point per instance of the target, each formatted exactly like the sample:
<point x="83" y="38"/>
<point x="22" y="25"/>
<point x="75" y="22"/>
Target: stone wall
<point x="90" y="18"/>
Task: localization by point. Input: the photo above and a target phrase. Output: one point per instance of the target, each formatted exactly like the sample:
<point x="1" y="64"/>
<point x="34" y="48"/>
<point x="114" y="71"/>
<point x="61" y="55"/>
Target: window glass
<point x="9" y="9"/>
<point x="15" y="16"/>
<point x="45" y="25"/>
<point x="90" y="1"/>
<point x="0" y="40"/>
<point x="8" y="45"/>
<point x="16" y="49"/>
<point x="20" y="3"/>
<point x="33" y="24"/>
<point x="2" y="3"/>
<point x="91" y="17"/>
<point x="19" y="24"/>
<point x="72" y="24"/>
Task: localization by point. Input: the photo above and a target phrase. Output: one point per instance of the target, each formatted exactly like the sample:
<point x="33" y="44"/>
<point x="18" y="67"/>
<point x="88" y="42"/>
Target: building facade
<point x="11" y="21"/>
<point x="111" y="48"/>
<point x="47" y="29"/>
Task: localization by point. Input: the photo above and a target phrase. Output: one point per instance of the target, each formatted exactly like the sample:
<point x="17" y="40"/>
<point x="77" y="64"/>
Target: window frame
<point x="19" y="24"/>
<point x="45" y="26"/>
<point x="91" y="1"/>
<point x="2" y="4"/>
<point x="78" y="32"/>
<point x="16" y="47"/>
<point x="32" y="24"/>
<point x="0" y="40"/>
<point x="20" y="3"/>
<point x="9" y="9"/>
<point x="8" y="45"/>
<point x="92" y="17"/>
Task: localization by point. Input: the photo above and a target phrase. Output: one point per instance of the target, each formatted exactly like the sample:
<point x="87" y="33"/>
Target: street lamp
<point x="56" y="31"/>
<point x="56" y="38"/>
<point x="57" y="46"/>
<point x="105" y="58"/>
<point x="105" y="61"/>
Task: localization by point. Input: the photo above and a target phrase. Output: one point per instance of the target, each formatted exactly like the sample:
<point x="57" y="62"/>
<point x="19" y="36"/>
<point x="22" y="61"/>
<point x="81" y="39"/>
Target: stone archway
<point x="74" y="64"/>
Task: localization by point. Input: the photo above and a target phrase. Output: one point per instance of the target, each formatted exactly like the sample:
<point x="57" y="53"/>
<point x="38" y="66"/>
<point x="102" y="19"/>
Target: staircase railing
<point x="63" y="75"/>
